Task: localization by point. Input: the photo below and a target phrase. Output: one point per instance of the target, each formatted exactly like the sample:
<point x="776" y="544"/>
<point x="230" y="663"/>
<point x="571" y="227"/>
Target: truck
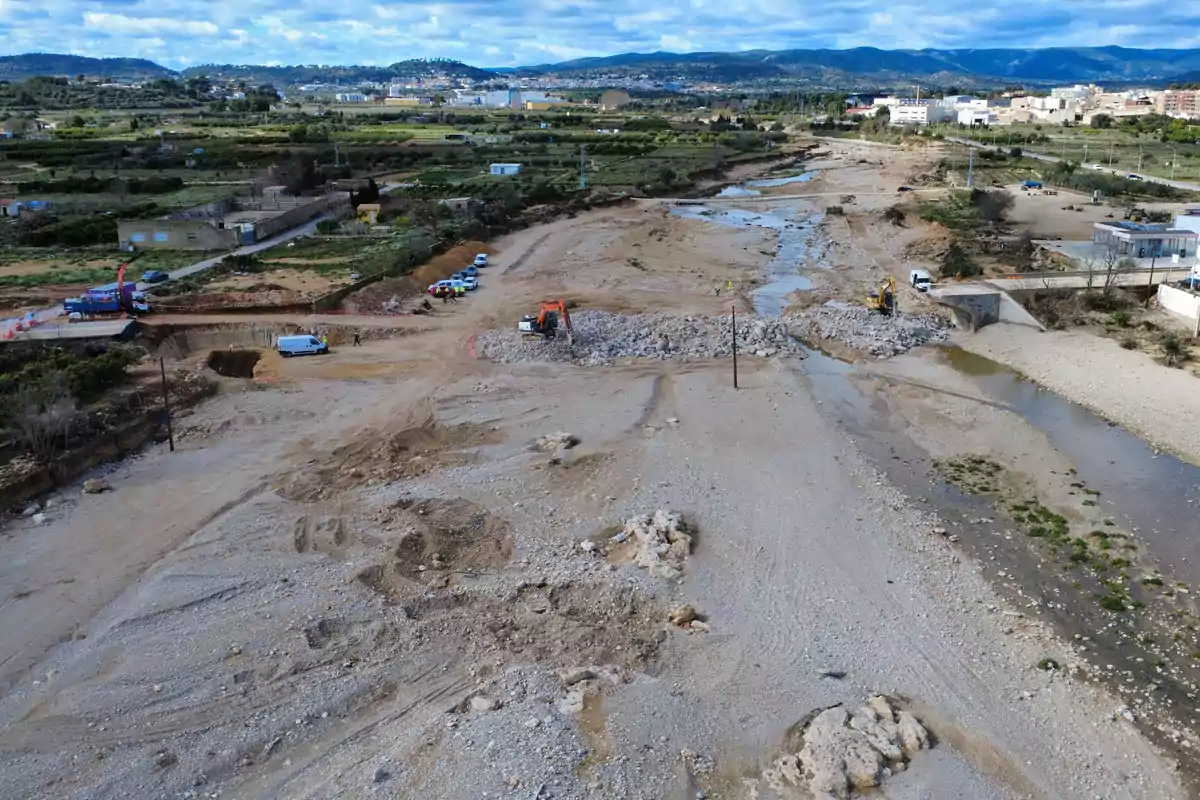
<point x="111" y="298"/>
<point x="95" y="304"/>
<point x="1031" y="185"/>
<point x="920" y="279"/>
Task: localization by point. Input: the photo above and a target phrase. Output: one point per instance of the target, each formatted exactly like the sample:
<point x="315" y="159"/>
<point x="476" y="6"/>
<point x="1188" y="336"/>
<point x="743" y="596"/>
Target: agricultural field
<point x="1122" y="147"/>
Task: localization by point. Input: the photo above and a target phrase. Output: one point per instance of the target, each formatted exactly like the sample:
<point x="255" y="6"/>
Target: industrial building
<point x="227" y="224"/>
<point x="506" y="169"/>
<point x="1139" y="240"/>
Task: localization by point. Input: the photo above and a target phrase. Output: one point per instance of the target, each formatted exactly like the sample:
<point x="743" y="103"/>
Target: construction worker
<point x="357" y="339"/>
<point x="325" y="339"/>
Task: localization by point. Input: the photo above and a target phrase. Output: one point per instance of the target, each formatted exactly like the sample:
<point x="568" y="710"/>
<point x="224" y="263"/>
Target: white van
<point x="920" y="279"/>
<point x="303" y="345"/>
<point x="481" y="260"/>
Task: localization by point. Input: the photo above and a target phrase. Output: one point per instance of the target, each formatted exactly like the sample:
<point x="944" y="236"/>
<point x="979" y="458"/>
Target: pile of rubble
<point x="602" y="338"/>
<point x="842" y="753"/>
<point x="661" y="541"/>
<point x="868" y="331"/>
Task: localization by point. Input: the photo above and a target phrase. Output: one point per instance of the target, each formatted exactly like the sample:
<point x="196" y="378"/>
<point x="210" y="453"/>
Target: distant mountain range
<point x="1054" y="65"/>
<point x="860" y="66"/>
<point x="15" y="68"/>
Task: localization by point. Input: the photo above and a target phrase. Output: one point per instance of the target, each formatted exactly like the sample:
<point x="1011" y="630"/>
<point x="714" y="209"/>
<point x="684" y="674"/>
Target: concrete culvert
<point x="234" y="363"/>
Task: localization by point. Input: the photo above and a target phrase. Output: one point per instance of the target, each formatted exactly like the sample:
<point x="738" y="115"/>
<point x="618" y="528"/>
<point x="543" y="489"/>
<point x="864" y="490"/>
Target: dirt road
<point x="357" y="578"/>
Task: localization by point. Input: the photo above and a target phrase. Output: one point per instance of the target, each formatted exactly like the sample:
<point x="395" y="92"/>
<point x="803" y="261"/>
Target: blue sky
<point x="497" y="33"/>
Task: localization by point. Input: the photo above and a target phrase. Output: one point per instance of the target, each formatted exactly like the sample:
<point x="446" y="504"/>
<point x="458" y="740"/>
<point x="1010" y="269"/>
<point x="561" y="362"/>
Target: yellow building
<point x="368" y="213"/>
<point x="541" y="105"/>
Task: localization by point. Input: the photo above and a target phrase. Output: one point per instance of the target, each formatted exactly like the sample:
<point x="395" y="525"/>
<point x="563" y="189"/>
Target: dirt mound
<point x="452" y="534"/>
<point x="377" y="457"/>
<point x="233" y="363"/>
<point x="456" y="258"/>
<point x="384" y="296"/>
<point x="561" y="625"/>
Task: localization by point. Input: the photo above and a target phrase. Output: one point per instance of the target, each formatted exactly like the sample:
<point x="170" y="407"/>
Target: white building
<point x="506" y="169"/>
<point x="958" y="102"/>
<point x="977" y="116"/>
<point x="350" y="97"/>
<point x="1076" y="92"/>
<point x="920" y="114"/>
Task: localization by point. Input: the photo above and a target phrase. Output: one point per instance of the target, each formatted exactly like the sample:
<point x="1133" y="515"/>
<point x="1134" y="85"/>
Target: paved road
<point x="1193" y="187"/>
<point x="1081" y="280"/>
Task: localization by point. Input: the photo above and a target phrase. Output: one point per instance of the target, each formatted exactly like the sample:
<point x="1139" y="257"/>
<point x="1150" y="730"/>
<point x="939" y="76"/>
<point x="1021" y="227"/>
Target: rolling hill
<point x="857" y="66"/>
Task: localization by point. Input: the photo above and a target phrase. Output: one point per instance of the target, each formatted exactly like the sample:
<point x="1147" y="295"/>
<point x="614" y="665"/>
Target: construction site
<point x="690" y="498"/>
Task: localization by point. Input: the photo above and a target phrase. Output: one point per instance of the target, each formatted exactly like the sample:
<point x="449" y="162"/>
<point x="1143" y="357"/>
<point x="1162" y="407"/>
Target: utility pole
<point x="582" y="179"/>
<point x="733" y="337"/>
<point x="1085" y="146"/>
<point x="1139" y="158"/>
<point x="1111" y="147"/>
<point x="1174" y="156"/>
<point x="970" y="167"/>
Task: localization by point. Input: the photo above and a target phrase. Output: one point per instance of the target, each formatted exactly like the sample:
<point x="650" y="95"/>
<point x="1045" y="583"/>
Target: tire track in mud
<point x="521" y="259"/>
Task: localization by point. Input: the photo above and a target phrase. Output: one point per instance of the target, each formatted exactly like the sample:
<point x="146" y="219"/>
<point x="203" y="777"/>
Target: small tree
<point x="957" y="264"/>
<point x="40" y="414"/>
<point x="328" y="226"/>
<point x="894" y="215"/>
<point x="992" y="205"/>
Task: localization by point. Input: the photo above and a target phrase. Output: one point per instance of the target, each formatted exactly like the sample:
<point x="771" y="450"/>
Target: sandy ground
<point x="303" y="600"/>
<point x="1130" y="388"/>
<point x="294" y="280"/>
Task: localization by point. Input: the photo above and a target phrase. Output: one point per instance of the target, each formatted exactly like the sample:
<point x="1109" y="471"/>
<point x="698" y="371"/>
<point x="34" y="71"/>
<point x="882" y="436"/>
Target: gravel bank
<point x="867" y="331"/>
<point x="1158" y="403"/>
<point x="602" y="338"/>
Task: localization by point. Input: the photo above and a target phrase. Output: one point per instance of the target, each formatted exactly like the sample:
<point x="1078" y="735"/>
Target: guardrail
<point x="1098" y="274"/>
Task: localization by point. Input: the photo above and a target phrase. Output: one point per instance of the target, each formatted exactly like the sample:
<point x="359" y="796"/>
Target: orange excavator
<point x="551" y="315"/>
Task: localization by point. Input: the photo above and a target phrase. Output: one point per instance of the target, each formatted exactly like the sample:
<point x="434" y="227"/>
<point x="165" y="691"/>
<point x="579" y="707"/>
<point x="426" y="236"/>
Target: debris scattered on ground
<point x="661" y="540"/>
<point x="96" y="486"/>
<point x="601" y="338"/>
<point x="682" y="616"/>
<point x="839" y="752"/>
<point x="868" y="331"/>
<point x="557" y="440"/>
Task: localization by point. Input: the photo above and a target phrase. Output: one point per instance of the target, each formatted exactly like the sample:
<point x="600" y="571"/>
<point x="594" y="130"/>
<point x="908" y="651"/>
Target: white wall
<point x="1184" y="305"/>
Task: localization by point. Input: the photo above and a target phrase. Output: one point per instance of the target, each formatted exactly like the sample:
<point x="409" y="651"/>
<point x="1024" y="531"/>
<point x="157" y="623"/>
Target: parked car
<point x="289" y="346"/>
<point x="470" y="272"/>
<point x="450" y="284"/>
<point x="458" y="276"/>
<point x="154" y="276"/>
<point x="1133" y="177"/>
<point x="471" y="282"/>
<point x="481" y="260"/>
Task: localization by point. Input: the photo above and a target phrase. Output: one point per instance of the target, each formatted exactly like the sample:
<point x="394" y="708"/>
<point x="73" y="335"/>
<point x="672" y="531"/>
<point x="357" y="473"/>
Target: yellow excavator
<point x="884" y="298"/>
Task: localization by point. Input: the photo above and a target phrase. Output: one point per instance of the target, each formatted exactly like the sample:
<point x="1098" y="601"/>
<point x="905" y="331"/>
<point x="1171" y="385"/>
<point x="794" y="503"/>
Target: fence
<point x="1182" y="304"/>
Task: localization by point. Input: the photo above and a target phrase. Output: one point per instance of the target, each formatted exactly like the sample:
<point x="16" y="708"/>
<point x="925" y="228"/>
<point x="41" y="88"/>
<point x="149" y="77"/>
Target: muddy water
<point x="1154" y="494"/>
<point x="797" y="231"/>
<point x="769" y="182"/>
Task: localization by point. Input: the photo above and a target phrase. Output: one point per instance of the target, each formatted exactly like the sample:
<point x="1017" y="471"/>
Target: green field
<point x="1144" y="154"/>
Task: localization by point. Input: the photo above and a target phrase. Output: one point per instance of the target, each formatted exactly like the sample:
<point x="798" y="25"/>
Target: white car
<point x="471" y="282"/>
<point x="481" y="260"/>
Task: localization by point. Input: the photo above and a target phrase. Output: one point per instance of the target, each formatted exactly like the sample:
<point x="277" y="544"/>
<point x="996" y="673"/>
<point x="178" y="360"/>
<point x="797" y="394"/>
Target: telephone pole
<point x="582" y="179"/>
<point x="970" y="167"/>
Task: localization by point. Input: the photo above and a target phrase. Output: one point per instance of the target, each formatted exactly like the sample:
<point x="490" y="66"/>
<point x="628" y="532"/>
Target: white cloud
<point x="122" y="24"/>
<point x="515" y="32"/>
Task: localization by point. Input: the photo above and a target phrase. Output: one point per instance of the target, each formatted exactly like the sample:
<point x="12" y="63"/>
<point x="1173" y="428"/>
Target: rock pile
<point x="661" y="540"/>
<point x="868" y="331"/>
<point x="601" y="338"/>
<point x="843" y="752"/>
